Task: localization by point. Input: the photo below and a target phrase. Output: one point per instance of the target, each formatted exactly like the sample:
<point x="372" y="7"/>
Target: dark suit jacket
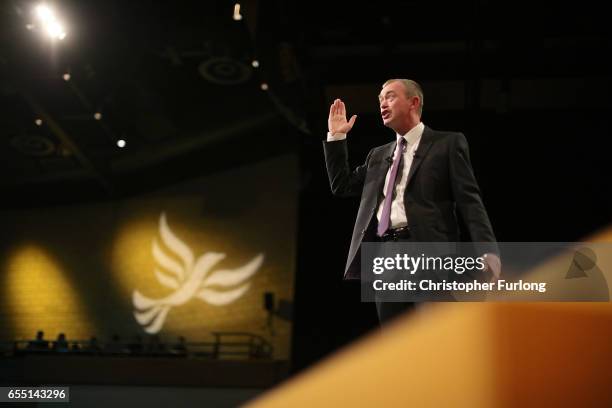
<point x="442" y="193"/>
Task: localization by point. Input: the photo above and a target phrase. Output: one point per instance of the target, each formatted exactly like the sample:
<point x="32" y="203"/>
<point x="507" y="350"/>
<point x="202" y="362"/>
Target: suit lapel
<point x="383" y="168"/>
<point x="419" y="155"/>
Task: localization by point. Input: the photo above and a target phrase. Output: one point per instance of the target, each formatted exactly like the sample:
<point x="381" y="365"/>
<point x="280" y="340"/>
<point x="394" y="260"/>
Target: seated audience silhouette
<point x="38" y="344"/>
<point x="60" y="345"/>
<point x="92" y="347"/>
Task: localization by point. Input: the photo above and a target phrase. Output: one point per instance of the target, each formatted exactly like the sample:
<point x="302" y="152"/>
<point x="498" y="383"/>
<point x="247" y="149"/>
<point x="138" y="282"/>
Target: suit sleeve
<point x="343" y="181"/>
<point x="467" y="195"/>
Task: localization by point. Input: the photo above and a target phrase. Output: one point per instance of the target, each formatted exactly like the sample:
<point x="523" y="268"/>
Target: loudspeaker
<point x="269" y="301"/>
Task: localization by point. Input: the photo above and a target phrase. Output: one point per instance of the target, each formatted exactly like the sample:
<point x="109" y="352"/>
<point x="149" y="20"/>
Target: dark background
<point x="528" y="84"/>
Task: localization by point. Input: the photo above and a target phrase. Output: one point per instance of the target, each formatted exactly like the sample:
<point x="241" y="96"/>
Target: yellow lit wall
<point x="76" y="268"/>
<point x="38" y="295"/>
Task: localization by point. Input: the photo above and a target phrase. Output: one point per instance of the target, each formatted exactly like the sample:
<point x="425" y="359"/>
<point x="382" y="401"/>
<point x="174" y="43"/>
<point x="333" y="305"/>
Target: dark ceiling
<point x="175" y="80"/>
<point x="172" y="80"/>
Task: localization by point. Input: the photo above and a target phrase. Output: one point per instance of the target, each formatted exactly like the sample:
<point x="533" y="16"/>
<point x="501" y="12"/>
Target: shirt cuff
<point x="335" y="137"/>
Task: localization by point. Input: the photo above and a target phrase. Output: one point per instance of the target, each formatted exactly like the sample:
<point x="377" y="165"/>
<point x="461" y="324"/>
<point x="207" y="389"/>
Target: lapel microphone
<point x="390" y="158"/>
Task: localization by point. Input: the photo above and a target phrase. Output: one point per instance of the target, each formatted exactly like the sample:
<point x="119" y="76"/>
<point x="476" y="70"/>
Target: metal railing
<point x="226" y="345"/>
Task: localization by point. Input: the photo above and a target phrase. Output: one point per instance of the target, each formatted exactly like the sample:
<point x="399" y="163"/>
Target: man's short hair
<point x="412" y="89"/>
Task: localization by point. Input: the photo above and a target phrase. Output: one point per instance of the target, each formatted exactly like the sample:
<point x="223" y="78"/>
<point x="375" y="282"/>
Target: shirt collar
<point x="413" y="135"/>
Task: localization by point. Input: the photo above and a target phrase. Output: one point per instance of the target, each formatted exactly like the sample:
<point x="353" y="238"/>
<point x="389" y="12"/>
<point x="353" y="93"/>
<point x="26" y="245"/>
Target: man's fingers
<point x="352" y="121"/>
<point x="338" y="108"/>
<point x="334" y="107"/>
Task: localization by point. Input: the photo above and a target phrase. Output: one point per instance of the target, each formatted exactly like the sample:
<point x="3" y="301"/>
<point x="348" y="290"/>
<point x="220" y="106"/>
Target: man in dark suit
<point x="420" y="187"/>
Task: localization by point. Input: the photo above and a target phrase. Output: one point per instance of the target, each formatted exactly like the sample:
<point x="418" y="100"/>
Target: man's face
<point x="395" y="106"/>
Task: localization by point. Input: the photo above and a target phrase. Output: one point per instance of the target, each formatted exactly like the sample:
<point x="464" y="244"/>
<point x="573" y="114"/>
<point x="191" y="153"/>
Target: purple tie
<point x="385" y="218"/>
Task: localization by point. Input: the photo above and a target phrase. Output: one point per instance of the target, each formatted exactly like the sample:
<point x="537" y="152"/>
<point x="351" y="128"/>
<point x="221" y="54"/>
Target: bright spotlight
<point x="237" y="16"/>
<point x="54" y="29"/>
<point x="38" y="122"/>
<point x="255" y="63"/>
<point x="97" y="116"/>
<point x="50" y="24"/>
<point x="66" y="77"/>
<point x="264" y="86"/>
<point x="121" y="143"/>
<point x="44" y="13"/>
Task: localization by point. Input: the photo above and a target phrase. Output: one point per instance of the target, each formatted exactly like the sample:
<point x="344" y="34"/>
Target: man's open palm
<point x="337" y="122"/>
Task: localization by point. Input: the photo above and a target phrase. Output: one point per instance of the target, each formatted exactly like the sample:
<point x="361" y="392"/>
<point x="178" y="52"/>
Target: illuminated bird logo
<point x="189" y="278"/>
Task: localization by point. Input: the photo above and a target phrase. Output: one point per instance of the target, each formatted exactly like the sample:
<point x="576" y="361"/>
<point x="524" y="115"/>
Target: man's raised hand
<point x="337" y="118"/>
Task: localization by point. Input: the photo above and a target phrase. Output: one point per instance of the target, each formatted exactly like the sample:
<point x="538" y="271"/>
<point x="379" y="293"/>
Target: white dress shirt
<point x="398" y="210"/>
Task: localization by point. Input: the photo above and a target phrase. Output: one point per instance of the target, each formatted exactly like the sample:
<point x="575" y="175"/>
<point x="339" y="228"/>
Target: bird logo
<point x="189" y="278"/>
